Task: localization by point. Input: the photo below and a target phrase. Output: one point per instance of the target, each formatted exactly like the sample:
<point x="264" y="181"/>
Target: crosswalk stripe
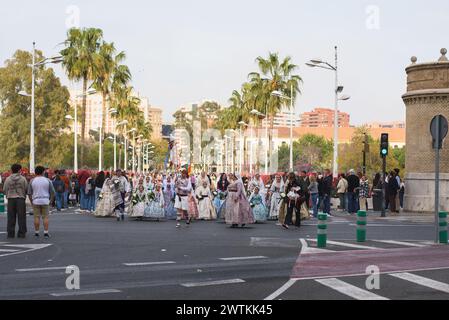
<point x="41" y="269"/>
<point x="212" y="283"/>
<point x="426" y="282"/>
<point x="349" y="245"/>
<point x="136" y="264"/>
<point x="8" y="250"/>
<point x="82" y="293"/>
<point x="408" y="244"/>
<point x="349" y="290"/>
<point x="243" y="258"/>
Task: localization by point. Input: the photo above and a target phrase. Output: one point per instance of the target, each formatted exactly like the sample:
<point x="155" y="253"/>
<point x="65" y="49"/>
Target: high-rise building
<point x="324" y="117"/>
<point x="94" y="113"/>
<point x="283" y="119"/>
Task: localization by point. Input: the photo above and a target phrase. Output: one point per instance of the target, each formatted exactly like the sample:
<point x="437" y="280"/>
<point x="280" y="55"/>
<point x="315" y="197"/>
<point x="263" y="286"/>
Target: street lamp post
<point x="292" y="112"/>
<point x="75" y="128"/>
<point x="113" y="112"/>
<point x="338" y="89"/>
<point x="54" y="60"/>
<point x="134" y="152"/>
<point x="133" y="131"/>
<point x="241" y="145"/>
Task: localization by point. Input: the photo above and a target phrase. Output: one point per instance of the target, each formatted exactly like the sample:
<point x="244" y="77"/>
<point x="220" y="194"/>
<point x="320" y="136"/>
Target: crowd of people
<point x="286" y="198"/>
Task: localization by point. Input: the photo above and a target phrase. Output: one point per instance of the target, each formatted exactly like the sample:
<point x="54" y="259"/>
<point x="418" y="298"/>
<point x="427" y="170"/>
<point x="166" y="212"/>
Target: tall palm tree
<point x="79" y="57"/>
<point x="110" y="74"/>
<point x="127" y="106"/>
<point x="275" y="75"/>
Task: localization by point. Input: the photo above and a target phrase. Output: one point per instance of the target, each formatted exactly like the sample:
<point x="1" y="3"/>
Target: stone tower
<point x="427" y="96"/>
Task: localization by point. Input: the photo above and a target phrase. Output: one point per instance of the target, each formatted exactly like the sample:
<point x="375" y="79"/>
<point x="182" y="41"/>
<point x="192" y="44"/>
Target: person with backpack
<point x="59" y="186"/>
<point x="40" y="193"/>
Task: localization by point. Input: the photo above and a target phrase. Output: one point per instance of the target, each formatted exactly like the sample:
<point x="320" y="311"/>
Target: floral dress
<point x="139" y="200"/>
<point x="169" y="202"/>
<point x="259" y="209"/>
<point x="155" y="205"/>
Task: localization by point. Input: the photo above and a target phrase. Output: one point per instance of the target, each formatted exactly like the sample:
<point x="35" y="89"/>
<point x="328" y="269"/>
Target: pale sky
<point x="184" y="51"/>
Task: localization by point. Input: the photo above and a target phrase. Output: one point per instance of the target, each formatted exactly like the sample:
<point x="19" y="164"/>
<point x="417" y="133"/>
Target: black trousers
<point x="16" y="212"/>
<point x="291" y="207"/>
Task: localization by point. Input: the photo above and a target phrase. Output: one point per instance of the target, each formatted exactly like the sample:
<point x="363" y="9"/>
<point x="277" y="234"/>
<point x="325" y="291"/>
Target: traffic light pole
<point x="384" y="187"/>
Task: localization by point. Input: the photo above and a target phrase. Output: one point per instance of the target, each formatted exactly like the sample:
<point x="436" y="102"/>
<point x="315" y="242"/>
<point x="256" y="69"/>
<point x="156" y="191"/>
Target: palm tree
<point x="127" y="106"/>
<point x="110" y="75"/>
<point x="275" y="75"/>
<point x="79" y="57"/>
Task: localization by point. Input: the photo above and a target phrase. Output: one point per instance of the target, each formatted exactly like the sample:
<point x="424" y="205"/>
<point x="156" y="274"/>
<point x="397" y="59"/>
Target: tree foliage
<point x="52" y="139"/>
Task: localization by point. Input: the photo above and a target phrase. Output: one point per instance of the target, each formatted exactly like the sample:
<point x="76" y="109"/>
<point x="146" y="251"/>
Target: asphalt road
<point x="210" y="261"/>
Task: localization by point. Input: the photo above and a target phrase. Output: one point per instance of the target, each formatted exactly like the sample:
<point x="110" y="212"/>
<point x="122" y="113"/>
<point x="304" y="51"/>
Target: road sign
<point x="438" y="129"/>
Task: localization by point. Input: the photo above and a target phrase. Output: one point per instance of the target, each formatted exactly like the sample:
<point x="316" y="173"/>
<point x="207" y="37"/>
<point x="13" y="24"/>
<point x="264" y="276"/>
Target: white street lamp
<point x="242" y="142"/>
<point x="114" y="112"/>
<point x="292" y="112"/>
<point x="124" y="123"/>
<point x="54" y="60"/>
<point x="133" y="130"/>
<point x="75" y="127"/>
<point x="338" y="89"/>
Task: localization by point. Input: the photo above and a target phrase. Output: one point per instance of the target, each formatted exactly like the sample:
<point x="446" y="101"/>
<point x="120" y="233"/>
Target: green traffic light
<point x="384" y="152"/>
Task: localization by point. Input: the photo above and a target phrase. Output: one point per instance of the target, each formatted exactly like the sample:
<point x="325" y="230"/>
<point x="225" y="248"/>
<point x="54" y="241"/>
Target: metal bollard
<point x="361" y="226"/>
<point x="322" y="230"/>
<point x="443" y="227"/>
<point x="2" y="203"/>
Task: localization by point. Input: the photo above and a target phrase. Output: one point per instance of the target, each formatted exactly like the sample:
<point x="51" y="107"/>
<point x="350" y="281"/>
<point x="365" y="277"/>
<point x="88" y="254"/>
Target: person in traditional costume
<point x="220" y="195"/>
<point x="277" y="193"/>
<point x="155" y="205"/>
<point x="257" y="181"/>
<point x="169" y="198"/>
<point x="237" y="207"/>
<point x="109" y="199"/>
<point x="139" y="200"/>
<point x="203" y="177"/>
<point x="213" y="182"/>
<point x="183" y="189"/>
<point x="149" y="186"/>
<point x="257" y="204"/>
<point x="124" y="188"/>
<point x="205" y="207"/>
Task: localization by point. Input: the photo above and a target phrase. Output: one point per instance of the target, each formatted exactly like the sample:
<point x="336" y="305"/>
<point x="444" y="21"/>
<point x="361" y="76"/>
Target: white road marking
<point x="281" y="290"/>
<point x="82" y="293"/>
<point x="305" y="249"/>
<point x="41" y="269"/>
<point x="350" y="290"/>
<point x="212" y="283"/>
<point x="407" y="244"/>
<point x="349" y="245"/>
<point x="395" y="225"/>
<point x="31" y="247"/>
<point x="8" y="250"/>
<point x="243" y="258"/>
<point x="426" y="282"/>
<point x="148" y="263"/>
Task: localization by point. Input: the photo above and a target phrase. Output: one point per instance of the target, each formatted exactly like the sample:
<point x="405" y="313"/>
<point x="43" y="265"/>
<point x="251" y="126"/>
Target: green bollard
<point x="361" y="226"/>
<point x="322" y="231"/>
<point x="443" y="227"/>
<point x="2" y="203"/>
